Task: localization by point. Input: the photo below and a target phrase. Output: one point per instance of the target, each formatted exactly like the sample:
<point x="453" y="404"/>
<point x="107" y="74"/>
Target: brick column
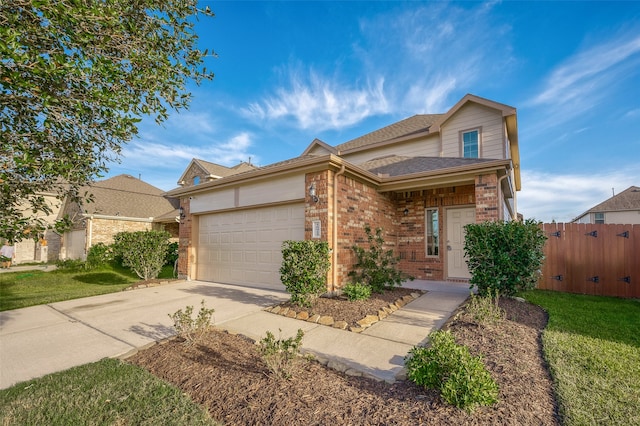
<point x="184" y="241"/>
<point x="487" y="203"/>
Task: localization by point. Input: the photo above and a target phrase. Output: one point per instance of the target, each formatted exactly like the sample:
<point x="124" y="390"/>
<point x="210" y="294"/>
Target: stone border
<point x="364" y="323"/>
<point x="152" y="283"/>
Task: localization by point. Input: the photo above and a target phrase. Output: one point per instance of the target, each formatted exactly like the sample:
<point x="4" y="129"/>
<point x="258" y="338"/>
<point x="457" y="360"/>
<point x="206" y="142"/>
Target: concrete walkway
<point x="44" y="339"/>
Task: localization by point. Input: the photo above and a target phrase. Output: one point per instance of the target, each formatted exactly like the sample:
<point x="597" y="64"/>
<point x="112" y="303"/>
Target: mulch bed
<point x="225" y="374"/>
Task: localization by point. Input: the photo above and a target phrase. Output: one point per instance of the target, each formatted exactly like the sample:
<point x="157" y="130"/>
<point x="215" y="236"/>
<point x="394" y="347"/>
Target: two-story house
<point x="420" y="179"/>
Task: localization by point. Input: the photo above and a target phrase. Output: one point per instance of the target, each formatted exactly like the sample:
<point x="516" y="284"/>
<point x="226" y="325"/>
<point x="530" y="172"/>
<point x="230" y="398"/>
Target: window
<point x="470" y="144"/>
<point x="432" y="232"/>
<point x="599" y="217"/>
<point x="196" y="180"/>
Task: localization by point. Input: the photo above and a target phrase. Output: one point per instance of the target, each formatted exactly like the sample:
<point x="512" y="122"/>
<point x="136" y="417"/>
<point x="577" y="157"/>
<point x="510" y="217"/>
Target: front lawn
<point x="592" y="345"/>
<point x="37" y="287"/>
<point x="109" y="392"/>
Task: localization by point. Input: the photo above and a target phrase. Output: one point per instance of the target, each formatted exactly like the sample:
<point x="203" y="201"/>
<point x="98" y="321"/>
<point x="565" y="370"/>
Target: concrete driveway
<point x="43" y="339"/>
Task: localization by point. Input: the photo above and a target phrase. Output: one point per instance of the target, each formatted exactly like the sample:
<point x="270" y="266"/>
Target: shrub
<point x="304" y="269"/>
<point x="376" y="266"/>
<point x="504" y="256"/>
<point x="172" y="254"/>
<point x="461" y="378"/>
<point x="70" y="264"/>
<point x="281" y="355"/>
<point x="356" y="291"/>
<point x="190" y="329"/>
<point x="142" y="251"/>
<point x="99" y="255"/>
<point x="484" y="310"/>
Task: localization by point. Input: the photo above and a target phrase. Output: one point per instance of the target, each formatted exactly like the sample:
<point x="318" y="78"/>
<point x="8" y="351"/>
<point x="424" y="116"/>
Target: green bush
<point x="172" y="254"/>
<point x="461" y="378"/>
<point x="99" y="255"/>
<point x="376" y="267"/>
<point x="304" y="270"/>
<point x="70" y="264"/>
<point x="142" y="251"/>
<point x="504" y="256"/>
<point x="281" y="355"/>
<point x="192" y="329"/>
<point x="356" y="291"/>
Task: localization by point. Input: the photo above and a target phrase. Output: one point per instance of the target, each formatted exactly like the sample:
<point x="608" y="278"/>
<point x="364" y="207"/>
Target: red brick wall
<point x="487" y="204"/>
<point x="358" y="205"/>
<point x="411" y="230"/>
<point x="185" y="248"/>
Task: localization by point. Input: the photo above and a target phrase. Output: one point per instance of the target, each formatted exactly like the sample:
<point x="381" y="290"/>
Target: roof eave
<point x="439" y="177"/>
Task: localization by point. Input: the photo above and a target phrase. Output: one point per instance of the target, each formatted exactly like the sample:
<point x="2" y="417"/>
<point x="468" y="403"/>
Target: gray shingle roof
<point x="127" y="196"/>
<point x="223" y="171"/>
<point x="629" y="199"/>
<point x="416" y="124"/>
<point x="394" y="165"/>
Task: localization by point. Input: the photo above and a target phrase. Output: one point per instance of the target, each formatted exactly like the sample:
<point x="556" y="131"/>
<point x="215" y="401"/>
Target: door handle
<point x="448" y="248"/>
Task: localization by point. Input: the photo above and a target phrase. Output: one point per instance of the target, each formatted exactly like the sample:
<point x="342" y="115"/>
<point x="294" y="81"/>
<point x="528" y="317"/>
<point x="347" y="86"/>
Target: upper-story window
<point x="471" y="144"/>
<point x="196" y="180"/>
<point x="599" y="217"/>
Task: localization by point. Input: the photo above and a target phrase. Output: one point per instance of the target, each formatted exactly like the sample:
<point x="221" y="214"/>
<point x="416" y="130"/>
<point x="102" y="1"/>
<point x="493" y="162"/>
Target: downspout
<point x="334" y="237"/>
<point x="88" y="245"/>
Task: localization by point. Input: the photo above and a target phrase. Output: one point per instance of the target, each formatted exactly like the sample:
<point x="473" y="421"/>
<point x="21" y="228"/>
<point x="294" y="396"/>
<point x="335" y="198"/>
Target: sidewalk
<point x="44" y="339"/>
<point x="23" y="268"/>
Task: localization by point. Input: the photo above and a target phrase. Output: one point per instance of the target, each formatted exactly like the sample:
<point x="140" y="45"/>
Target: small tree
<point x="376" y="266"/>
<point x="143" y="251"/>
<point x="304" y="269"/>
<point x="504" y="257"/>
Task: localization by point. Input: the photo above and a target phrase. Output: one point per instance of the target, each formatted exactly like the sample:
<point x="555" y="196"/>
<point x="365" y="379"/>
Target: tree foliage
<point x="142" y="251"/>
<point x="75" y="80"/>
<point x="504" y="257"/>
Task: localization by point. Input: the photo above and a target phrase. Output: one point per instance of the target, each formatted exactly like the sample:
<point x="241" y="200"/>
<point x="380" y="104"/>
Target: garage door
<point x="244" y="247"/>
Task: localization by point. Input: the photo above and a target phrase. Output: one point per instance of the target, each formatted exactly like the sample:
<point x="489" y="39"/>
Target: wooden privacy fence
<point x="599" y="259"/>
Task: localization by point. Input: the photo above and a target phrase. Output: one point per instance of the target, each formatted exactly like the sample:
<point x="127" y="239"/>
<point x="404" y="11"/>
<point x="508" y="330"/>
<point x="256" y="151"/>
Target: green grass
<point x="109" y="392"/>
<point x="29" y="288"/>
<point x="592" y="346"/>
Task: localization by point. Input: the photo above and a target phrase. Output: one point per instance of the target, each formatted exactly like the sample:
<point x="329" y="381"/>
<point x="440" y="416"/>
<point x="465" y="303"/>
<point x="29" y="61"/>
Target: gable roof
<point x="127" y="196"/>
<point x="409" y="126"/>
<point x="629" y="199"/>
<point x="215" y="171"/>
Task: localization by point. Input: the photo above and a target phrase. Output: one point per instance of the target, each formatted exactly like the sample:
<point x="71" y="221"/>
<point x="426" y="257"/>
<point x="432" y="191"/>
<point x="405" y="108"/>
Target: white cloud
<point x="563" y="197"/>
<point x="318" y="103"/>
<point x="581" y="82"/>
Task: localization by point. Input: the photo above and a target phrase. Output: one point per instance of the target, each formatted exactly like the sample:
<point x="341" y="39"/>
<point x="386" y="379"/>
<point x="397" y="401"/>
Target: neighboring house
<point x="623" y="208"/>
<point x="46" y="246"/>
<point x="120" y="204"/>
<point x="200" y="171"/>
<point x="420" y="179"/>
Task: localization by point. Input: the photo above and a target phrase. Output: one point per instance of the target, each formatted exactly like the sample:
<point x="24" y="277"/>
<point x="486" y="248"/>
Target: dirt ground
<point x="225" y="374"/>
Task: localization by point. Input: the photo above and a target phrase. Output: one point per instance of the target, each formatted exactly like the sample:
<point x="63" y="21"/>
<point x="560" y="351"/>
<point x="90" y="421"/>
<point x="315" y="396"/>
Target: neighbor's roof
<point x="222" y="171"/>
<point x="127" y="196"/>
<point x="409" y="126"/>
<point x="629" y="199"/>
<point x="394" y="165"/>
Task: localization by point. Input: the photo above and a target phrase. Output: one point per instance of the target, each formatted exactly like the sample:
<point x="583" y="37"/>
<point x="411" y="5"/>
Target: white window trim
<point x="461" y="140"/>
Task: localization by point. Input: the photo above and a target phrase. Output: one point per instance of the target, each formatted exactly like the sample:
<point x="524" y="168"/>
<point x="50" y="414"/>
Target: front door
<point x="456" y="261"/>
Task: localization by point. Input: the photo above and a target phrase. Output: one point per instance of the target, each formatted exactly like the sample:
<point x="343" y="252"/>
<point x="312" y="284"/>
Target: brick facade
<point x="359" y="203"/>
<point x="103" y="230"/>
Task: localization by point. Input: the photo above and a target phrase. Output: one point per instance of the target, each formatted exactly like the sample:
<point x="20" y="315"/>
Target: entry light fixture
<point x="406" y="212"/>
<point x="312" y="192"/>
<point x="181" y="210"/>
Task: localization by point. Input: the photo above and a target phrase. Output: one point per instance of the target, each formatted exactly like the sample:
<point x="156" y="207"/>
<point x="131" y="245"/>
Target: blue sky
<point x="289" y="72"/>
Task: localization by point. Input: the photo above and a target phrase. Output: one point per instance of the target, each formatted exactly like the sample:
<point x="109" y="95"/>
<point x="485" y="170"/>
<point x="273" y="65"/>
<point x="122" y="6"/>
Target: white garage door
<point x="244" y="247"/>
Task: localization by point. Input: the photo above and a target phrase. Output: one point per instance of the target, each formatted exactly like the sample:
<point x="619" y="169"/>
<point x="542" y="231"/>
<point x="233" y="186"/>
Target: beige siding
<point x="272" y="191"/>
<point x="473" y="116"/>
<point x="629" y="217"/>
<point x="425" y="147"/>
